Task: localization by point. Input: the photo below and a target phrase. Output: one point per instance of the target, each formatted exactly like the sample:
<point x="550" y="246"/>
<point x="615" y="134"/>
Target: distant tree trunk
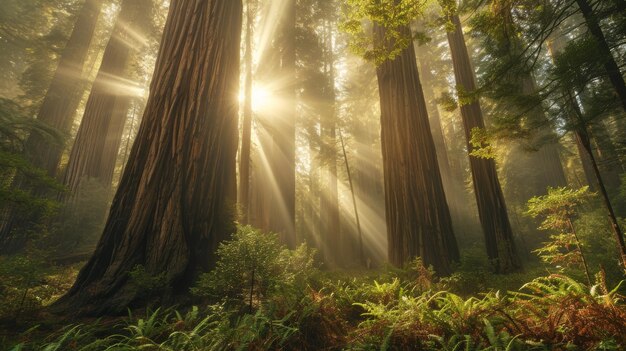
<point x="587" y="166"/>
<point x="113" y="140"/>
<point x="244" y="156"/>
<point x="606" y="156"/>
<point x="583" y="137"/>
<point x="284" y="161"/>
<point x="418" y="218"/>
<point x="57" y="111"/>
<point x="547" y="161"/>
<point x="610" y="66"/>
<point x="108" y="101"/>
<point x="354" y="203"/>
<point x="555" y="46"/>
<point x="329" y="207"/>
<point x="176" y="198"/>
<point x="63" y="96"/>
<point x="584" y="143"/>
<point x="491" y="205"/>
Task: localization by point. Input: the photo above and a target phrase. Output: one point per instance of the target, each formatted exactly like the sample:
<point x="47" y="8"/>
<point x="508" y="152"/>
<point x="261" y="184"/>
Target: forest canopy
<point x="312" y="174"/>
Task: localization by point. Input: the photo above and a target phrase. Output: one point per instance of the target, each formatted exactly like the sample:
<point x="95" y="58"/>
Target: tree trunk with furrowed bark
<point x="176" y="198"/>
<point x="489" y="198"/>
<point x="418" y="218"/>
<point x="102" y="125"/>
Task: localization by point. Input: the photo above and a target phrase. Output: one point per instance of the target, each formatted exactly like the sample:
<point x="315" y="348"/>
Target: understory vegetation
<point x="262" y="296"/>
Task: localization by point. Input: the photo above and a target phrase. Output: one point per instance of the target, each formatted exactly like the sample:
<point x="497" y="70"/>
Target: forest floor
<point x="387" y="309"/>
<point x="262" y="296"/>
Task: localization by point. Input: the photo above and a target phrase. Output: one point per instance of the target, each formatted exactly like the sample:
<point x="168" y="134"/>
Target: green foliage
<point x="394" y="16"/>
<point x="558" y="209"/>
<point x="482" y="144"/>
<point x="254" y="266"/>
<point x="392" y="313"/>
<point x="28" y="283"/>
<point x="145" y="282"/>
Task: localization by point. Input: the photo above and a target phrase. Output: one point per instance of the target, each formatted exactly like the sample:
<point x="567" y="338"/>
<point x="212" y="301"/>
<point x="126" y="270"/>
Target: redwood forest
<point x="312" y="175"/>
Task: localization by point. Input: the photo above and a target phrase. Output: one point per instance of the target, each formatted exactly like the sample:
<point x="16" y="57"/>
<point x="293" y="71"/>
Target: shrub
<point x="254" y="266"/>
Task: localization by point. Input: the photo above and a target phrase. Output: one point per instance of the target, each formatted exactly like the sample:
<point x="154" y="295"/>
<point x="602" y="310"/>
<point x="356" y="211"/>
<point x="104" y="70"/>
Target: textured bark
<point x="63" y="96"/>
<point x="491" y="205"/>
<point x="103" y="121"/>
<point x="418" y="218"/>
<point x="610" y="66"/>
<point x="283" y="159"/>
<point x="246" y="136"/>
<point x="57" y="111"/>
<point x="175" y="201"/>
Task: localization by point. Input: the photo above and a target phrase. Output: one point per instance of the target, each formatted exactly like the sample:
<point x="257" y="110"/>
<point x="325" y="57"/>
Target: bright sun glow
<point x="261" y="98"/>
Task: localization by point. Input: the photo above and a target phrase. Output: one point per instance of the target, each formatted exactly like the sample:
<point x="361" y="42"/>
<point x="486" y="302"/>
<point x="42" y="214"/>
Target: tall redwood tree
<point x="176" y="198"/>
<point x="418" y="217"/>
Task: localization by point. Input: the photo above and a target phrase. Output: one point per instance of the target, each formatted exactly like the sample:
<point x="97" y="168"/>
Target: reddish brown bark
<point x="176" y="198"/>
<point x="489" y="198"/>
<point x="418" y="218"/>
<point x="100" y="132"/>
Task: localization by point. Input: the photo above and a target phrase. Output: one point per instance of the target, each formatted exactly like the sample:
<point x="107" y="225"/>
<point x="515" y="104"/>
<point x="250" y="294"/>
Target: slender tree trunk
<point x="284" y="209"/>
<point x="108" y="101"/>
<point x="354" y="204"/>
<point x="587" y="166"/>
<point x="583" y="137"/>
<point x="491" y="205"/>
<point x="606" y="156"/>
<point x="329" y="207"/>
<point x="418" y="218"/>
<point x="555" y="46"/>
<point x="610" y="66"/>
<point x="244" y="156"/>
<point x="113" y="140"/>
<point x="176" y="198"/>
<point x="57" y="111"/>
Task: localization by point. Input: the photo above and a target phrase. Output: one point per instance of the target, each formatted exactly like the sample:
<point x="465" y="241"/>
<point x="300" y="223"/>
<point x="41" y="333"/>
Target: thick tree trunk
<point x="283" y="160"/>
<point x="452" y="185"/>
<point x="244" y="156"/>
<point x="57" y="111"/>
<point x="108" y="103"/>
<point x="176" y="198"/>
<point x="610" y="66"/>
<point x="491" y="205"/>
<point x="418" y="218"/>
